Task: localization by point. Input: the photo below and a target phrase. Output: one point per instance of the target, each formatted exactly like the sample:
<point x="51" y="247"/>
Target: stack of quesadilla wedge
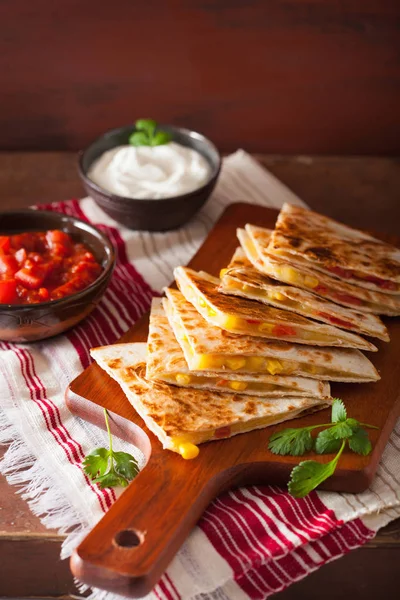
<point x="243" y="316"/>
<point x="256" y="242"/>
<point x="166" y="362"/>
<point x="260" y="345"/>
<point x="242" y="279"/>
<point x="209" y="348"/>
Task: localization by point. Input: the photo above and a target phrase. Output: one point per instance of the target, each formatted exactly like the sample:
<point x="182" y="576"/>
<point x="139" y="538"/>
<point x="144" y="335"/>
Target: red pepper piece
<point x="283" y="330"/>
<point x="335" y="320"/>
<point x="348" y="299"/>
<point x="222" y="432"/>
<point x="343" y="273"/>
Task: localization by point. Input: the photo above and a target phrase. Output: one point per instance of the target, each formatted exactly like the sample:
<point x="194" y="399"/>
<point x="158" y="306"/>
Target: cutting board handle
<point x="129" y="549"/>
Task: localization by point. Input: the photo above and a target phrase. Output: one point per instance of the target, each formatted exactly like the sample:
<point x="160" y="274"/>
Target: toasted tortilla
<point x="213" y="349"/>
<point x="183" y="417"/>
<point x="244" y="316"/>
<point x="240" y="278"/>
<point x="255" y="241"/>
<point x="166" y="362"/>
<point x="307" y="238"/>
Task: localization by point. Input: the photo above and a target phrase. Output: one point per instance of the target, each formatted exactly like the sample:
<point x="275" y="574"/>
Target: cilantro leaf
<point x="309" y="474"/>
<point x="353" y="423"/>
<point x="291" y="441"/>
<point x="161" y="138"/>
<point x="339" y="412"/>
<point x="139" y="138"/>
<point x="360" y="443"/>
<point x="110" y="479"/>
<point x="341" y="430"/>
<point x="108" y="468"/>
<point x="146" y="125"/>
<point x="146" y="134"/>
<point x="125" y="465"/>
<point x="96" y="462"/>
<point x="325" y="442"/>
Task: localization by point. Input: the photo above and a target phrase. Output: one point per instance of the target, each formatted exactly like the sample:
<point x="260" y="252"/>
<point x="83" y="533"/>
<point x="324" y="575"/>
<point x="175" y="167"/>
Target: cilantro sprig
<point x="147" y="134"/>
<point x="308" y="474"/>
<point x="109" y="468"/>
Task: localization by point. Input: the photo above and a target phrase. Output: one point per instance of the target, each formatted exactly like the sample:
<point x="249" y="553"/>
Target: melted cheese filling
<point x="256" y="364"/>
<point x="230" y="385"/>
<point x="186" y="443"/>
<point x="254" y="327"/>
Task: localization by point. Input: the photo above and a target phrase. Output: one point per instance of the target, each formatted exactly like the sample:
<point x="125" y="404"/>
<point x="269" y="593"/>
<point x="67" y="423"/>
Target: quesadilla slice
<point x="240" y="278"/>
<point x="181" y="418"/>
<point x="243" y="316"/>
<point x="255" y="240"/>
<point x="166" y="362"/>
<point x="209" y="348"/>
<point x="307" y="238"/>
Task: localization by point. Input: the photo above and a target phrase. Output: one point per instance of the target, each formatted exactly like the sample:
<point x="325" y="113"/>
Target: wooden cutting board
<point x="132" y="545"/>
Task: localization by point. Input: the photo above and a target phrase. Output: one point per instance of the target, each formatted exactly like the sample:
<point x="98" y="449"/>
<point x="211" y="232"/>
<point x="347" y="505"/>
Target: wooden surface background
<point x="286" y="76"/>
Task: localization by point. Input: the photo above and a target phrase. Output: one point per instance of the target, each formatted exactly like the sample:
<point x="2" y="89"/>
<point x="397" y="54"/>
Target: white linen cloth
<point x="250" y="542"/>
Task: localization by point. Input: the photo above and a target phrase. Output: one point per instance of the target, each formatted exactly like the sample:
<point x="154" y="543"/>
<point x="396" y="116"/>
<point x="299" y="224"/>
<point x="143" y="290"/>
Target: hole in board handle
<point x="128" y="538"/>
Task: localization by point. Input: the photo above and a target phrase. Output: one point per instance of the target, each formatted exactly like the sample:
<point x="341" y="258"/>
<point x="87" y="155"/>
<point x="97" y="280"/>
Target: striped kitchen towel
<point x="250" y="542"/>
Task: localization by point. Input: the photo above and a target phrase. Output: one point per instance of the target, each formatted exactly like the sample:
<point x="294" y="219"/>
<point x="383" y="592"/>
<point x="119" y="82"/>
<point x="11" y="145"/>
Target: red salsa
<point x="39" y="266"/>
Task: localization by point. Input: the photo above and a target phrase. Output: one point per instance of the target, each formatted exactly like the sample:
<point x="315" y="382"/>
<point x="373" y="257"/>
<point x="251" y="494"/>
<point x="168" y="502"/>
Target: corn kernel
<point x="183" y="378"/>
<point x="188" y="450"/>
<point x="231" y="322"/>
<point x="211" y="312"/>
<point x="274" y="366"/>
<point x="266" y="327"/>
<point x="206" y="361"/>
<point x="235" y="363"/>
<point x="289" y="274"/>
<point x="201" y="302"/>
<point x="255" y="363"/>
<point x="310" y="281"/>
<point x="277" y="296"/>
<point x="238" y="385"/>
<point x="223" y="272"/>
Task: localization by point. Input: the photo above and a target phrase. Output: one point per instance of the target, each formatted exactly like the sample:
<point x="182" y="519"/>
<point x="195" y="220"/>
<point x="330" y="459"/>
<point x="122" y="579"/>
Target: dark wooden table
<point x="364" y="192"/>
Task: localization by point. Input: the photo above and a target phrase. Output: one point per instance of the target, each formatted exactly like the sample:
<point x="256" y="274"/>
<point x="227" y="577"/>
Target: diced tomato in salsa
<point x="8" y="265"/>
<point x="4" y="243"/>
<point x="8" y="291"/>
<point x="41" y="266"/>
<point x="283" y="330"/>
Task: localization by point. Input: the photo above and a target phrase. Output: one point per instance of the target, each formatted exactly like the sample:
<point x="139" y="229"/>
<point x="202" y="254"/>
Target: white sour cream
<point x="150" y="171"/>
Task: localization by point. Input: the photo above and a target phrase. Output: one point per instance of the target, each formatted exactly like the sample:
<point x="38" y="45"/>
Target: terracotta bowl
<point x="143" y="214"/>
<point x="27" y="323"/>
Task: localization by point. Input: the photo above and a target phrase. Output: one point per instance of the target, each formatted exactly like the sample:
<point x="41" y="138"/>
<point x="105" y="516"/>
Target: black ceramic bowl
<point x="145" y="214"/>
<point x="27" y="323"/>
